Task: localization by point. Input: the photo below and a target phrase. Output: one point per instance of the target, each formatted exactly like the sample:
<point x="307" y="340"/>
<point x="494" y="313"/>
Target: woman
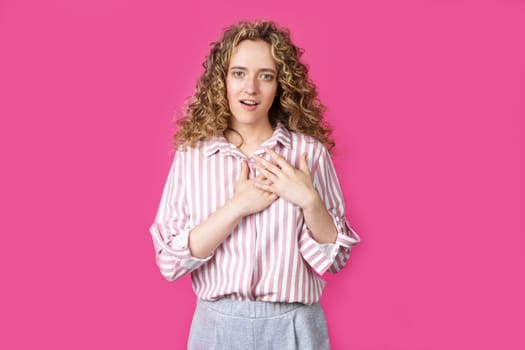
<point x="252" y="207"/>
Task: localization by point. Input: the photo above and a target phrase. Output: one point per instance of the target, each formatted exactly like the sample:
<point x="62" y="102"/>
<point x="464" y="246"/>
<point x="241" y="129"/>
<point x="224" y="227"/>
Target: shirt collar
<point x="280" y="135"/>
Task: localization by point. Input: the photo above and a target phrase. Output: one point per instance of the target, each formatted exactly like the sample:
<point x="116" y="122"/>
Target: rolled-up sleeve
<point x="330" y="257"/>
<point x="170" y="231"/>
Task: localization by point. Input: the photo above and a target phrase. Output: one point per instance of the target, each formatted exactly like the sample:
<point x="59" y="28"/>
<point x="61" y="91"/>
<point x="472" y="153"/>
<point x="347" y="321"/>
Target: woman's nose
<point x="250" y="86"/>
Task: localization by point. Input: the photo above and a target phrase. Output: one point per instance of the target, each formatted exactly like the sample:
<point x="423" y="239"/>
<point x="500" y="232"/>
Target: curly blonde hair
<point x="296" y="105"/>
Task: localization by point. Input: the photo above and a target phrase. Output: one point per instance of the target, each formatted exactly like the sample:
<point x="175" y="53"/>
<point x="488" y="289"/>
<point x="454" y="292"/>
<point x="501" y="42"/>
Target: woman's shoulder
<point x="202" y="147"/>
<point x="298" y="139"/>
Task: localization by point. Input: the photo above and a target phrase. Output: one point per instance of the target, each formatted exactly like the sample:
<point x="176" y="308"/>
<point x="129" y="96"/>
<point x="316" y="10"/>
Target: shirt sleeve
<point x="170" y="231"/>
<point x="330" y="257"/>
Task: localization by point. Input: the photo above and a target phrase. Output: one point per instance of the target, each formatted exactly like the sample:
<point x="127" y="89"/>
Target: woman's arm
<point x="180" y="248"/>
<point x="319" y="221"/>
<point x="296" y="186"/>
<point x="171" y="227"/>
<point x="326" y="237"/>
<point x="248" y="199"/>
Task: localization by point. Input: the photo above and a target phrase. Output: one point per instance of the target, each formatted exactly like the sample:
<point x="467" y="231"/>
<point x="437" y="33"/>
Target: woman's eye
<point x="238" y="74"/>
<point x="266" y="76"/>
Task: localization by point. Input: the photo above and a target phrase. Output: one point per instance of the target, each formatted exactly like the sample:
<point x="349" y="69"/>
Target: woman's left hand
<point x="294" y="185"/>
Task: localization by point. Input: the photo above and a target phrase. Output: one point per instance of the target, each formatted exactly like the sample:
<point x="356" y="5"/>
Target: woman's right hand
<point x="248" y="199"/>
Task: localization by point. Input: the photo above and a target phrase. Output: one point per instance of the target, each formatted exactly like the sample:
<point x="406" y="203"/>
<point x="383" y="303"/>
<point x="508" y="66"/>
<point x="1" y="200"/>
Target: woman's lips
<point x="248" y="107"/>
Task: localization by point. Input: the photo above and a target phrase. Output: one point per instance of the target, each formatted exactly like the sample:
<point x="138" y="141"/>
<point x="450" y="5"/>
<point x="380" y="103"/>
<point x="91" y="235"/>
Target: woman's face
<point x="251" y="83"/>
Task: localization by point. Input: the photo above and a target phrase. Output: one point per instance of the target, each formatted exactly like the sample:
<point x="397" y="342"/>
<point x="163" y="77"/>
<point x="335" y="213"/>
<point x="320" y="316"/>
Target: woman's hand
<point x="248" y="198"/>
<point x="286" y="181"/>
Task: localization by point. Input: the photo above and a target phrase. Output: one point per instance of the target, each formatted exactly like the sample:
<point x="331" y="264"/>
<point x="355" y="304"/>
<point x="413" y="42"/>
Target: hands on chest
<point x="277" y="178"/>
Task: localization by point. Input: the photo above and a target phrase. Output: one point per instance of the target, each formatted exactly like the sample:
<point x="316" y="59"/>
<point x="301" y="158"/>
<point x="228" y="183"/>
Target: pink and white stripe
<point x="270" y="255"/>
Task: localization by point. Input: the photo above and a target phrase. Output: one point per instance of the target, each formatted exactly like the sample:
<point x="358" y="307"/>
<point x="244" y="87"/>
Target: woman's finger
<point x="264" y="187"/>
<point x="266" y="163"/>
<point x="244" y="171"/>
<point x="283" y="164"/>
<point x="303" y="164"/>
<point x="265" y="181"/>
<point x="262" y="163"/>
<point x="268" y="174"/>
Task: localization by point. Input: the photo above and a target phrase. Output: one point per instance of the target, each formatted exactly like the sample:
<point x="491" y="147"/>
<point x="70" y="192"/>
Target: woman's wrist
<point x="311" y="201"/>
<point x="234" y="209"/>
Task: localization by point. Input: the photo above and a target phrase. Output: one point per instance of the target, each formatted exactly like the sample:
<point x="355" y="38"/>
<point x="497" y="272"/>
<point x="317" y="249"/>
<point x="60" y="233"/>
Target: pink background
<point x="426" y="104"/>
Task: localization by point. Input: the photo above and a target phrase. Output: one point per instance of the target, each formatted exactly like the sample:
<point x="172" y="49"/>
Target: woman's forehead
<point x="250" y="54"/>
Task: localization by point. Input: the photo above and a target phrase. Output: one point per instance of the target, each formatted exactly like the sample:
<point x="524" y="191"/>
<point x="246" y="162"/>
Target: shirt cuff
<point x="346" y="236"/>
<point x="178" y="247"/>
<point x="328" y="249"/>
<point x="320" y="256"/>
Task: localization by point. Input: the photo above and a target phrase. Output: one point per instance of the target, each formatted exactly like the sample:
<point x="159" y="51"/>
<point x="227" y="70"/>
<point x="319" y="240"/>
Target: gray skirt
<point x="228" y="324"/>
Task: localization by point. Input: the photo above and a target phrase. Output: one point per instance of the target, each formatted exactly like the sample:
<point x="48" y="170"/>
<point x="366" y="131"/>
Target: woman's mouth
<point x="249" y="104"/>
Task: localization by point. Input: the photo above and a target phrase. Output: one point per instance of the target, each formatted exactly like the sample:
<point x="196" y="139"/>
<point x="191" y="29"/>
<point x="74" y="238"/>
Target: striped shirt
<point x="270" y="255"/>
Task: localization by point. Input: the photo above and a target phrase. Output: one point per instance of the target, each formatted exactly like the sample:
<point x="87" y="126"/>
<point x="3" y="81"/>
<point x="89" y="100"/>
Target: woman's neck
<point x="252" y="136"/>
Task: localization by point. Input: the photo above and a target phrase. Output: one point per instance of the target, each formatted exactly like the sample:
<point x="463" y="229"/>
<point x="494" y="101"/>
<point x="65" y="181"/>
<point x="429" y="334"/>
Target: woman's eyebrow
<point x="267" y="70"/>
<point x="260" y="70"/>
